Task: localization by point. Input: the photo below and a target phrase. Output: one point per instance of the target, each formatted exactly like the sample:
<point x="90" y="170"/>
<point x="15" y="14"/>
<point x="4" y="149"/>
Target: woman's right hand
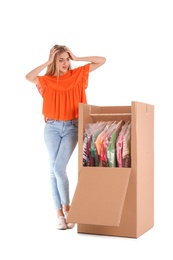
<point x="52" y="53"/>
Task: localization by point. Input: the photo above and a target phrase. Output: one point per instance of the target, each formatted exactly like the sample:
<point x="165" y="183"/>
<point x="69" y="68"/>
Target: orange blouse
<point x="62" y="95"/>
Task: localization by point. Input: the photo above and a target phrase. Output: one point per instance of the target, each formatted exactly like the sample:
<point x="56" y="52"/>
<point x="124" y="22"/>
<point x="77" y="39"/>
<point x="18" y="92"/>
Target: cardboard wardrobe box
<point x="117" y="201"/>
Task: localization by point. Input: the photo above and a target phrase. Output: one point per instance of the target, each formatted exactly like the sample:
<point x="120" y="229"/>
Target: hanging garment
<point x="100" y="137"/>
<point x="103" y="155"/>
<point x="111" y="150"/>
<point x="93" y="150"/>
<point x="107" y="144"/>
<point x="126" y="154"/>
<point x="89" y="154"/>
<point x="119" y="145"/>
<point x="86" y="159"/>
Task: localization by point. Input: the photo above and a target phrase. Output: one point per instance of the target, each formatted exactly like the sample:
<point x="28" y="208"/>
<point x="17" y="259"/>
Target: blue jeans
<point x="61" y="138"/>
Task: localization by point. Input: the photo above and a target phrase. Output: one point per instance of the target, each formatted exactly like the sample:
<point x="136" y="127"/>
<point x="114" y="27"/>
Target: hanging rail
<point x="112" y="114"/>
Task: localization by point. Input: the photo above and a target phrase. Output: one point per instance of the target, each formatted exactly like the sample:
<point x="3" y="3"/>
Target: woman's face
<point x="63" y="61"/>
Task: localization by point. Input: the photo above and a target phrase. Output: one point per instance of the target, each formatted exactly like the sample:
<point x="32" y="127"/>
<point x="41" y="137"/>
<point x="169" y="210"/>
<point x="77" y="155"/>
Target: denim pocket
<point x="75" y="122"/>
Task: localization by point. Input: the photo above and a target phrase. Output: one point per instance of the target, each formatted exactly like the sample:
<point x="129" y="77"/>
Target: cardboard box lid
<point x="99" y="196"/>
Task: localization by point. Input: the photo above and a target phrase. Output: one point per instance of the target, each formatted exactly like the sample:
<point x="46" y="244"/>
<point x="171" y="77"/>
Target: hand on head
<point x="63" y="48"/>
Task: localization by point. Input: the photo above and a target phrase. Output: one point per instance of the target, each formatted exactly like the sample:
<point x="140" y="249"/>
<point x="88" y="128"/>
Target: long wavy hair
<point x="53" y="67"/>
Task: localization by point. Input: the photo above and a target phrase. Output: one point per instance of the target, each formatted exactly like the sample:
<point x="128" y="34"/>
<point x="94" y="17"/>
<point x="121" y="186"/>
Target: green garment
<point x="111" y="150"/>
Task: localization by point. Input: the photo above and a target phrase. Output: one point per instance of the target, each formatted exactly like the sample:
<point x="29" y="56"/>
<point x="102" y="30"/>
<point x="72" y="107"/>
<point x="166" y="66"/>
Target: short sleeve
<point x="40" y="89"/>
<point x="85" y="75"/>
<point x="40" y="86"/>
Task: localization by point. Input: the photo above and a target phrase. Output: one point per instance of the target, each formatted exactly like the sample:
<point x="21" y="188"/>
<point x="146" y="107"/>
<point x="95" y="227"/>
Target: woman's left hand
<point x="72" y="56"/>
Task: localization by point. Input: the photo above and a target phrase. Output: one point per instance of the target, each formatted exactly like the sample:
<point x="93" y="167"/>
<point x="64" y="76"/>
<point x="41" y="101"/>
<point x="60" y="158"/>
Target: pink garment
<point x="120" y="144"/>
<point x="126" y="154"/>
<point x="119" y="150"/>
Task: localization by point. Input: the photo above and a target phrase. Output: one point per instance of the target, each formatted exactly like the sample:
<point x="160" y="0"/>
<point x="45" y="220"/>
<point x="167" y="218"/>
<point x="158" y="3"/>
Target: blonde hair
<point x="53" y="67"/>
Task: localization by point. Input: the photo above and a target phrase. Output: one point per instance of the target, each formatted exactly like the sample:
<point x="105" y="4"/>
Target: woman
<point x="62" y="89"/>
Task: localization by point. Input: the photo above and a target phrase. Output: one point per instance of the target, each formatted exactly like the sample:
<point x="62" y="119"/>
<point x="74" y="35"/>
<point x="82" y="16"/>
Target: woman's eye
<point x="64" y="60"/>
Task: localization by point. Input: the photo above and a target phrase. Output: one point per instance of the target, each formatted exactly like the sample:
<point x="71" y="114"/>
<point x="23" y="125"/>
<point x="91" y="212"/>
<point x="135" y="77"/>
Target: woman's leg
<point x="53" y="139"/>
<point x="61" y="139"/>
<point x="69" y="137"/>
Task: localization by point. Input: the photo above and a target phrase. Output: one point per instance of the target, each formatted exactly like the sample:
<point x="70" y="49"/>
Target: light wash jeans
<point x="61" y="139"/>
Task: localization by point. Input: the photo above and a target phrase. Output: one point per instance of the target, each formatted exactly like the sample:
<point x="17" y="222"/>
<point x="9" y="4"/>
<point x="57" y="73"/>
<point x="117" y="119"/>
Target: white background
<point x="136" y="37"/>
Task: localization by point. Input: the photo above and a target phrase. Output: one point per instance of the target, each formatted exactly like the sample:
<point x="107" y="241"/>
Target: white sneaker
<point x="61" y="225"/>
<point x="69" y="225"/>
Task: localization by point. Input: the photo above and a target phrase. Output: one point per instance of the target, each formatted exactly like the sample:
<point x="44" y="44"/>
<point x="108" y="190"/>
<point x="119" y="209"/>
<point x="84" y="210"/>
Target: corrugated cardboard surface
<point x="143" y="152"/>
<point x="99" y="196"/>
<point x="116" y="201"/>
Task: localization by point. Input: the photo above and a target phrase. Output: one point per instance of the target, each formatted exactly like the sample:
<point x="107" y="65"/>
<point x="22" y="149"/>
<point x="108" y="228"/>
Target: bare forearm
<point x="32" y="75"/>
<point x="95" y="61"/>
<point x="92" y="59"/>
